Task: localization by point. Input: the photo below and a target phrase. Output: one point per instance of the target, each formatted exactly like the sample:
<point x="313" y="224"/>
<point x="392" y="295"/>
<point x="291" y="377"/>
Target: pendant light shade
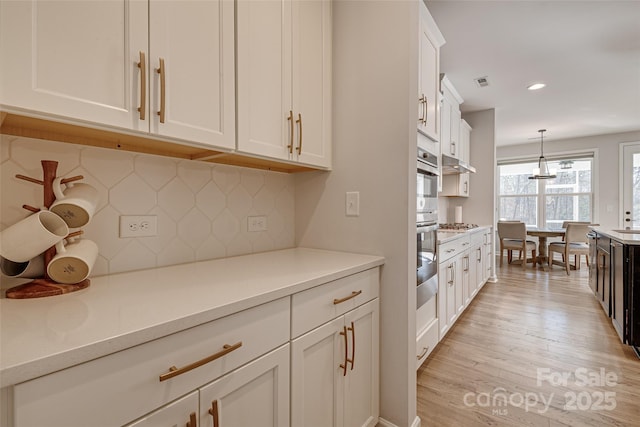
<point x="542" y="171"/>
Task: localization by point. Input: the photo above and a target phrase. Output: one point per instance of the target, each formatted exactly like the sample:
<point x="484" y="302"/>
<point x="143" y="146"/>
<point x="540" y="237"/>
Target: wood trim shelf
<point x="39" y="128"/>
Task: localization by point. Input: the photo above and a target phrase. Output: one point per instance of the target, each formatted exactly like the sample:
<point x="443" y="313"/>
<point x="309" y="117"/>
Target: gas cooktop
<point x="458" y="226"/>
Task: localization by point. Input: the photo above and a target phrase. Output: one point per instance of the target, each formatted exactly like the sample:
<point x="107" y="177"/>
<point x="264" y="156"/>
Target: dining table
<point x="542" y="234"/>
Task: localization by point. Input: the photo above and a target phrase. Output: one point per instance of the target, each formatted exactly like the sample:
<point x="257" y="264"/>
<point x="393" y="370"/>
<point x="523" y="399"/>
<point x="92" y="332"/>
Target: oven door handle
<point x="427" y="228"/>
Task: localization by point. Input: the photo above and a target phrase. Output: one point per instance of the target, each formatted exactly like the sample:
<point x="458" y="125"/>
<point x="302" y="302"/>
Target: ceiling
<point x="586" y="52"/>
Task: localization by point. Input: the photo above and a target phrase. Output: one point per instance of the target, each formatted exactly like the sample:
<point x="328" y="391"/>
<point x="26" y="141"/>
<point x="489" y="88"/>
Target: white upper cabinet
<point x="429" y="75"/>
<point x="97" y="61"/>
<point x="465" y="141"/>
<point x="284" y="80"/>
<point x="191" y="42"/>
<point x="74" y="59"/>
<point x="450" y="119"/>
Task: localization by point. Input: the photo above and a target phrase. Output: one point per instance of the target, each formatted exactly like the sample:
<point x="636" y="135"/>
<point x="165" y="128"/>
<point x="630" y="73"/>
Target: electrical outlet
<point x="257" y="223"/>
<point x="138" y="225"/>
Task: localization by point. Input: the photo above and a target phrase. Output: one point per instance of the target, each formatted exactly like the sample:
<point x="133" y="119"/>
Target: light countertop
<point x="43" y="335"/>
<point x="631" y="237"/>
<point x="446" y="236"/>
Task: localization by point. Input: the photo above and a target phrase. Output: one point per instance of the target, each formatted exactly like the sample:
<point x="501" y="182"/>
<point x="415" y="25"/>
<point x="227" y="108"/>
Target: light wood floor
<point x="517" y="336"/>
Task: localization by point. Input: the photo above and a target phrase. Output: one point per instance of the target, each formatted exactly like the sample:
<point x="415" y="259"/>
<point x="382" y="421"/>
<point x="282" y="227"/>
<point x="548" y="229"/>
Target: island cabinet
<point x="284" y="80"/>
<point x="157" y="67"/>
<point x="334" y="354"/>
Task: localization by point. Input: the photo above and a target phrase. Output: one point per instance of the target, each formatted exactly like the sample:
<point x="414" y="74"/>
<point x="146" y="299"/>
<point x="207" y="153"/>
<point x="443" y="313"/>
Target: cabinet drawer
<point x="119" y="387"/>
<point x="452" y="248"/>
<point x="426" y="342"/>
<point x="318" y="305"/>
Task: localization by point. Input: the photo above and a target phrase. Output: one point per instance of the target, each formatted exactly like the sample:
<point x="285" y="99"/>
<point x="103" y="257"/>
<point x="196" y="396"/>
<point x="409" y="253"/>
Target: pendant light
<point x="542" y="171"/>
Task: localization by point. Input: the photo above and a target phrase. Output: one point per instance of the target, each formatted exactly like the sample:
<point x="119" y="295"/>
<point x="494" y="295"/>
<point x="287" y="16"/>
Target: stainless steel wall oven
<point x="426" y="226"/>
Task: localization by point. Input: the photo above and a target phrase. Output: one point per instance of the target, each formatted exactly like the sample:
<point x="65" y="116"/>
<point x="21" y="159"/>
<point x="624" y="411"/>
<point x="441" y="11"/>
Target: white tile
<point x="211" y="248"/>
<point x="261" y="241"/>
<point x="28" y="152"/>
<point x="5" y="144"/>
<point x="252" y="180"/>
<point x="226" y="177"/>
<point x="92" y="181"/>
<point x="194" y="228"/>
<point x="276" y="181"/>
<point x="176" y="252"/>
<point x="134" y="256"/>
<point x="225" y="227"/>
<point x="195" y="174"/>
<point x="276" y="224"/>
<point x="264" y="201"/>
<point x="167" y="231"/>
<point x="132" y="196"/>
<point x="176" y="199"/>
<point x="108" y="166"/>
<point x="100" y="268"/>
<point x="211" y="200"/>
<point x="155" y="170"/>
<point x="239" y="202"/>
<point x="16" y="192"/>
<point x="239" y="245"/>
<point x="104" y="229"/>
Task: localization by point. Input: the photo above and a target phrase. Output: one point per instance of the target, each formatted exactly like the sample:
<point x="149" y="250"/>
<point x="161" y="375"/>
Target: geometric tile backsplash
<point x="202" y="208"/>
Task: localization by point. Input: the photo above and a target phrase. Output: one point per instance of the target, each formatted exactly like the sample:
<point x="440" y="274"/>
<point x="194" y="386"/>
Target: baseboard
<point x="384" y="423"/>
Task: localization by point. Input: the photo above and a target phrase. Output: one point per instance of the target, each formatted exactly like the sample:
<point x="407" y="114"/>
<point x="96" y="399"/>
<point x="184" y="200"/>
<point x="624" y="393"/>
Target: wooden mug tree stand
<point x="45" y="286"/>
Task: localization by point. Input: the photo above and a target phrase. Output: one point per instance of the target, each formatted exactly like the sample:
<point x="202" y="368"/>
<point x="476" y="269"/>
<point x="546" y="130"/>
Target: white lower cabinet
<point x="255" y="395"/>
<point x="335" y="367"/>
<point x="183" y="411"/>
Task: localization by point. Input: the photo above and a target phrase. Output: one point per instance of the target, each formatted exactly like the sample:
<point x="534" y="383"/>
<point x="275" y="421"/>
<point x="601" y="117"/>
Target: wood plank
<point x="517" y="333"/>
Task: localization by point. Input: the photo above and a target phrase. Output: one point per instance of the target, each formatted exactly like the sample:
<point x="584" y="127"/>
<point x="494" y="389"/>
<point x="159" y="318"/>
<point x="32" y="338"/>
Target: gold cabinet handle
<point x="290" y="119"/>
<point x="143" y="86"/>
<point x="173" y="371"/>
<point x="162" y="73"/>
<point x="421" y="102"/>
<point x="193" y="421"/>
<point x="299" y="133"/>
<point x="214" y="413"/>
<point x="424" y="351"/>
<point x="425" y="108"/>
<point x="353" y="344"/>
<point x="346" y="349"/>
<point x="341" y="300"/>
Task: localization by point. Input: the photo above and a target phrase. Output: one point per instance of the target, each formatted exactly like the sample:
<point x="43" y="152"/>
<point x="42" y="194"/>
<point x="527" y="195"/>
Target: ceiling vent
<point x="482" y="81"/>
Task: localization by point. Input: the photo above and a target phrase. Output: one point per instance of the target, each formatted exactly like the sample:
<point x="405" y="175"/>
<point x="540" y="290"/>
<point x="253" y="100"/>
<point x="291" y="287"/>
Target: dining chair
<point x="513" y="237"/>
<point x="575" y="243"/>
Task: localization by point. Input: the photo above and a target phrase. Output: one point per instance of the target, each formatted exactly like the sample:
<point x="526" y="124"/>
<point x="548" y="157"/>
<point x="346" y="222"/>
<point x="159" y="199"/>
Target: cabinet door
<point x="182" y="412"/>
<point x="317" y="392"/>
<point x="255" y="395"/>
<point x="444" y="281"/>
<point x="455" y="131"/>
<point x="463" y="185"/>
<point x="361" y="381"/>
<point x="311" y="80"/>
<point x="75" y="59"/>
<point x="472" y="264"/>
<point x="461" y="283"/>
<point x="445" y="130"/>
<point x="195" y="40"/>
<point x="617" y="289"/>
<point x="428" y="80"/>
<point x="465" y="141"/>
<point x="452" y="291"/>
<point x="265" y="125"/>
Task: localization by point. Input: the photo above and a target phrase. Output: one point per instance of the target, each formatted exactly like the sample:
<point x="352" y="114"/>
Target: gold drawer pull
<point x="291" y="125"/>
<point x="173" y="371"/>
<point x="163" y="88"/>
<point x="299" y="134"/>
<point x="424" y="351"/>
<point x="346" y="351"/>
<point x="341" y="300"/>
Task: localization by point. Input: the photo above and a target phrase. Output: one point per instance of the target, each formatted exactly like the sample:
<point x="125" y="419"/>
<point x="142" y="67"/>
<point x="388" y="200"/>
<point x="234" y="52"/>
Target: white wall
<point x="607" y="203"/>
<point x="375" y="47"/>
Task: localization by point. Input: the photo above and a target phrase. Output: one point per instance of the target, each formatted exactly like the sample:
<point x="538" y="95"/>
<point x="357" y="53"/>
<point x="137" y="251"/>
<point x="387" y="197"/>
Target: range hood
<point x="451" y="166"/>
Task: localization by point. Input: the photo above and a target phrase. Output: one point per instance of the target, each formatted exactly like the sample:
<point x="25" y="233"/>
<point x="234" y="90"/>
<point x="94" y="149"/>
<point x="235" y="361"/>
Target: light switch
<point x="352" y="203"/>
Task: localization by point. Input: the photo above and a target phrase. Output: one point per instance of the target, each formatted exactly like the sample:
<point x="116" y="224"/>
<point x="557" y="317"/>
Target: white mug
<point x="76" y="204"/>
<point x="32" y="269"/>
<point x="31" y="236"/>
<point x="73" y="262"/>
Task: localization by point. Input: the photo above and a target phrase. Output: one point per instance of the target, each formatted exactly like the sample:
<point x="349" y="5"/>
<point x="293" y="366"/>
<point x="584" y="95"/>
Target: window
<point x="547" y="203"/>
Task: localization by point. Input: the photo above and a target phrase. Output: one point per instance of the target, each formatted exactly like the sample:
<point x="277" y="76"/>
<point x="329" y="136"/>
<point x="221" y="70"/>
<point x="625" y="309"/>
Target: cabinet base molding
<point x="384" y="423"/>
<point x="39" y="128"/>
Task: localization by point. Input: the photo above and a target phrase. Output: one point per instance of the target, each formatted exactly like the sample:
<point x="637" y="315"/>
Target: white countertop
<point x="43" y="335"/>
<point x="446" y="235"/>
<point x="626" y="238"/>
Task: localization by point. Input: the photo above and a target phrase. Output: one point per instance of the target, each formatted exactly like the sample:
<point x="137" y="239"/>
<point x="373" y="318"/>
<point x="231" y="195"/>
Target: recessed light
<point x="536" y="86"/>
